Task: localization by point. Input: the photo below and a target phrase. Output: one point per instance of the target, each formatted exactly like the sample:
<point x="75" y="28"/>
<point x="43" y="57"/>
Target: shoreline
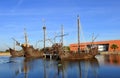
<point x="108" y="53"/>
<point x="5" y="54"/>
<point x="101" y="53"/>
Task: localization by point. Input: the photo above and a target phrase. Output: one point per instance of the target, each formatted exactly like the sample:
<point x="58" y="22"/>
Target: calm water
<point x="102" y="67"/>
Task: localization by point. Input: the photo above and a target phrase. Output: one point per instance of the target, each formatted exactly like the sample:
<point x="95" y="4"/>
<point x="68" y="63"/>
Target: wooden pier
<point x="51" y="56"/>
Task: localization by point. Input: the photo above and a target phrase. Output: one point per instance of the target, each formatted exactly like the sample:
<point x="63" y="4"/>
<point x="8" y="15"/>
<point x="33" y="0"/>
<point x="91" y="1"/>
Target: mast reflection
<point x="80" y="69"/>
<point x="46" y="68"/>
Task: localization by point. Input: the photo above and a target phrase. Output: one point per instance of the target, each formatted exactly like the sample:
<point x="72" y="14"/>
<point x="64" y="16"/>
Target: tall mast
<point x="62" y="34"/>
<point x="26" y="38"/>
<point x="44" y="30"/>
<point x="78" y="21"/>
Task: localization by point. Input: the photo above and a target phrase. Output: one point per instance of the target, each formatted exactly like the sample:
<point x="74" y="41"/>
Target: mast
<point x="78" y="22"/>
<point x="26" y="38"/>
<point x="44" y="30"/>
<point x="62" y="34"/>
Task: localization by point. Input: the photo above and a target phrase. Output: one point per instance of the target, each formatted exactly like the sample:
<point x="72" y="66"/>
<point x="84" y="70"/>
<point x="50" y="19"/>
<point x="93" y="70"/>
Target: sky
<point x="101" y="17"/>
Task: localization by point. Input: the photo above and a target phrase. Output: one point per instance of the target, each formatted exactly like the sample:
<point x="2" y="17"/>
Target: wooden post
<point x="50" y="56"/>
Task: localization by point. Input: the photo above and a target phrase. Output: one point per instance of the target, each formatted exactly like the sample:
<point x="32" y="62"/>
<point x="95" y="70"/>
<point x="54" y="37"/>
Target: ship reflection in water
<point x="19" y="67"/>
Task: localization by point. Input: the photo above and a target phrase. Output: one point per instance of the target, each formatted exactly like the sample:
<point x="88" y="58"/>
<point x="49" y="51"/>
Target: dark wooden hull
<point x="31" y="52"/>
<point x="15" y="53"/>
<point x="79" y="56"/>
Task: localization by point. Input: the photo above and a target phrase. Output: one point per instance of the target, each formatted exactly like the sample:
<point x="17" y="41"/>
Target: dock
<point x="51" y="56"/>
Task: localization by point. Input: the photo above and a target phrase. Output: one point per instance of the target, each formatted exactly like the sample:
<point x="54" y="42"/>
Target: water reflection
<point x="20" y="67"/>
<point x="80" y="69"/>
<point x="23" y="67"/>
<point x="110" y="59"/>
<point x="45" y="68"/>
<point x="114" y="59"/>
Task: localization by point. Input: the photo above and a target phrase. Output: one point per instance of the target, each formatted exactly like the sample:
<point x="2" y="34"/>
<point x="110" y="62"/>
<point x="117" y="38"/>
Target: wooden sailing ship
<point x="29" y="50"/>
<point x="79" y="56"/>
<point x="92" y="51"/>
<point x="15" y="53"/>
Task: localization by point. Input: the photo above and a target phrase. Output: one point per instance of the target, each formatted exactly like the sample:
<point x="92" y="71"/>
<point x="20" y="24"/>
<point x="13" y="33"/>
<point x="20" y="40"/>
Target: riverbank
<point x="104" y="53"/>
<point x="4" y="54"/>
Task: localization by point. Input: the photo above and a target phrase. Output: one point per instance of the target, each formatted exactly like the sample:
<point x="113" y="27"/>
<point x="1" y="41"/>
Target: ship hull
<point x="31" y="52"/>
<point x="79" y="56"/>
<point x="15" y="53"/>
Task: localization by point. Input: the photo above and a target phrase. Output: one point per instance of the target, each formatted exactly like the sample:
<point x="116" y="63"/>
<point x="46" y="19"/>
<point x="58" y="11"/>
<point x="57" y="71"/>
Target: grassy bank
<point x="109" y="53"/>
<point x="4" y="53"/>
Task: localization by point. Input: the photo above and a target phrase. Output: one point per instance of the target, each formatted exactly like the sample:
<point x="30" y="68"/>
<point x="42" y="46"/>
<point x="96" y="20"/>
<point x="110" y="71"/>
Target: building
<point x="102" y="45"/>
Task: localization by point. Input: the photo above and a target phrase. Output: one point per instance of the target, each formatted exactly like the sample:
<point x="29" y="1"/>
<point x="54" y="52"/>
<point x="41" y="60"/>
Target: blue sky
<point x="101" y="17"/>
